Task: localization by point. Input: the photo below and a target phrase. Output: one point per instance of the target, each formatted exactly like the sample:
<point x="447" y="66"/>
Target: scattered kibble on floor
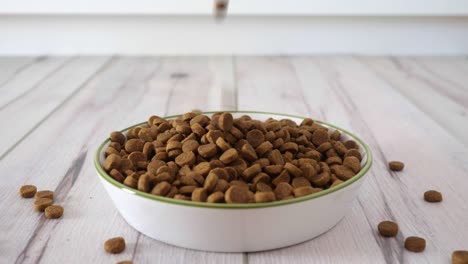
<point x="460" y="257"/>
<point x="415" y="244"/>
<point x="433" y="196"/>
<point x="396" y="165"/>
<point x="388" y="228"/>
<point x="115" y="245"/>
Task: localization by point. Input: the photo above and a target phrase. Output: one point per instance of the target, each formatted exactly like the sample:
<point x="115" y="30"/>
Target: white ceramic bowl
<point x="235" y="227"/>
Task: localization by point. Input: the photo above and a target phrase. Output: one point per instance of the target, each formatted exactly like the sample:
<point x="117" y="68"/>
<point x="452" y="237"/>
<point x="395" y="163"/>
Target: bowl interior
<point x="365" y="165"/>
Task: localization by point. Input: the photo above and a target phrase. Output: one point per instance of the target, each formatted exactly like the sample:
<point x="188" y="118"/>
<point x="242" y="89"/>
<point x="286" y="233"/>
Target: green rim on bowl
<point x="119" y="185"/>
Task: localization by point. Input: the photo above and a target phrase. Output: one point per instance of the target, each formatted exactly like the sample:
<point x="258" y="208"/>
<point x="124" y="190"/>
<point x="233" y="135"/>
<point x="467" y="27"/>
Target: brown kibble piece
<point x="300" y="182"/>
<point x="263" y="187"/>
<point x="353" y="163"/>
<point x="44" y="194"/>
<point x="136" y="157"/>
<point x="187" y="190"/>
<point x="460" y="257"/>
<point x="112" y="161"/>
<point x="339" y="147"/>
<point x="308" y="171"/>
<point x="229" y="156"/>
<point x="275" y="157"/>
<point x="321" y="179"/>
<point x="161" y="189"/>
<point x="115" y="245"/>
<point x="182" y="197"/>
<point x="199" y="195"/>
<point x="172" y="192"/>
<point x="186" y="158"/>
<point x="225" y="121"/>
<point x="192" y="178"/>
<point x="216" y="197"/>
<point x="190" y="145"/>
<point x="118" y="137"/>
<point x="125" y="262"/>
<point x="415" y="244"/>
<point x="273" y="169"/>
<point x="324" y="147"/>
<point x="293" y="170"/>
<point x="248" y="152"/>
<point x="237" y="194"/>
<point x="210" y="182"/>
<point x="27" y="191"/>
<point x="388" y="228"/>
<point x="433" y="196"/>
<point x="283" y="190"/>
<point x="131" y="182"/>
<point x="203" y="168"/>
<point x="221" y="186"/>
<point x="336" y="135"/>
<point x="305" y="190"/>
<point x="222" y="144"/>
<point x="334" y="160"/>
<point x="40" y="204"/>
<point x="283" y="177"/>
<point x="342" y="172"/>
<point x="264" y="148"/>
<point x="251" y="171"/>
<point x="117" y="175"/>
<point x="144" y="183"/>
<point x="355" y="153"/>
<point x="134" y="144"/>
<point x="396" y="165"/>
<point x="53" y="211"/>
<point x="320" y="136"/>
<point x="351" y="144"/>
<point x="264" y="197"/>
<point x="207" y="151"/>
<point x="255" y="137"/>
<point x="336" y="183"/>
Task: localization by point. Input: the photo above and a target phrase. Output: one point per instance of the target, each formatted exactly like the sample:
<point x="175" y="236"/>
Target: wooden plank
<point x="30" y="77"/>
<point x="450" y="69"/>
<point x="34" y="106"/>
<point x="343" y="91"/>
<point x="272" y="84"/>
<point x="443" y="98"/>
<point x="368" y="108"/>
<point x="10" y="66"/>
<point x="127" y="92"/>
<point x="204" y="83"/>
<point x="268" y="84"/>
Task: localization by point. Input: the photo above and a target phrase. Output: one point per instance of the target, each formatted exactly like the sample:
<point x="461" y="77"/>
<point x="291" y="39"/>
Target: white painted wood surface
<point x="57" y="110"/>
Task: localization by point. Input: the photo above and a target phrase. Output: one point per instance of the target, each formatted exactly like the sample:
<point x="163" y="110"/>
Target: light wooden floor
<point x="55" y="110"/>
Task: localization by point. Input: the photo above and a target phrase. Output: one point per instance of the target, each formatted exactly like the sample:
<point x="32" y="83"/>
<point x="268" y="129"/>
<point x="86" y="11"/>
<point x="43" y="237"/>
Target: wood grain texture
<point x="75" y="102"/>
<point x="126" y="91"/>
<point x="28" y="107"/>
<point x="10" y="66"/>
<point x="442" y="96"/>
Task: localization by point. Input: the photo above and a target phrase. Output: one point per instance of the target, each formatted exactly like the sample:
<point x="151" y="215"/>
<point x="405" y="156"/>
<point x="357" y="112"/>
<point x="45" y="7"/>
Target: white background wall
<point x="252" y="27"/>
